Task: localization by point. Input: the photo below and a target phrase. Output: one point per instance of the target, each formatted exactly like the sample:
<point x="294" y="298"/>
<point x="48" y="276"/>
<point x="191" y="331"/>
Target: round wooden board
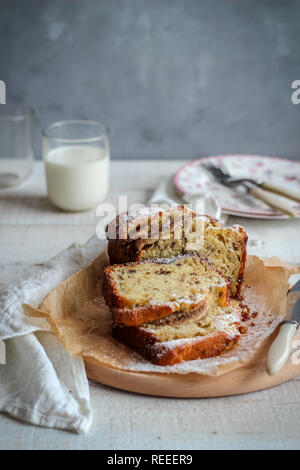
<point x="248" y="378"/>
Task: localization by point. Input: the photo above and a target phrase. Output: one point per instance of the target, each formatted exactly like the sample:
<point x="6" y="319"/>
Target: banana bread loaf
<point x="156" y="233"/>
<point x="143" y="291"/>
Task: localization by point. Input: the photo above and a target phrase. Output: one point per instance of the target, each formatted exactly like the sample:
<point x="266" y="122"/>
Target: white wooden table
<point x="31" y="231"/>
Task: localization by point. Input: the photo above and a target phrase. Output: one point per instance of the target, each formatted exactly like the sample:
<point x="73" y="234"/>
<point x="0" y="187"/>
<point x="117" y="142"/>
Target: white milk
<point x="77" y="176"/>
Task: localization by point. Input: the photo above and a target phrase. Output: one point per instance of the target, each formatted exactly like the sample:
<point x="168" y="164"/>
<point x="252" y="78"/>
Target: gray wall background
<point x="172" y="78"/>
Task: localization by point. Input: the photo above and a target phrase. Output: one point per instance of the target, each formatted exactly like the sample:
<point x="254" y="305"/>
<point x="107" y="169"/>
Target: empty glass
<point x="16" y="144"/>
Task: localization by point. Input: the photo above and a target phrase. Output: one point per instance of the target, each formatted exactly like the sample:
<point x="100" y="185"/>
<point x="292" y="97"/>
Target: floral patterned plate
<point x="193" y="178"/>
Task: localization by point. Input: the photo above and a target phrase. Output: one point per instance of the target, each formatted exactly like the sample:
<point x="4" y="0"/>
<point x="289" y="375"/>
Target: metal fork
<point x="264" y="192"/>
<point x="221" y="174"/>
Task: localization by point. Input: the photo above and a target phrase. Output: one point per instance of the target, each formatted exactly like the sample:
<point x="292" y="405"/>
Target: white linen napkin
<point x="40" y="382"/>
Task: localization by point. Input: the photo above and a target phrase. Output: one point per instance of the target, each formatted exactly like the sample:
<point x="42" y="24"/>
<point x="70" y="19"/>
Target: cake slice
<point x="178" y="338"/>
<point x="156" y="233"/>
<point x="147" y="290"/>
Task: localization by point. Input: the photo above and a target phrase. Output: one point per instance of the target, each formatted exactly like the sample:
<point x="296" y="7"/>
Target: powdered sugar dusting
<point x="223" y="325"/>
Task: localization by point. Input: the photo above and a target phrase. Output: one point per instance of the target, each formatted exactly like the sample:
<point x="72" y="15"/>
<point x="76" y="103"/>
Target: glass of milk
<point x="76" y="155"/>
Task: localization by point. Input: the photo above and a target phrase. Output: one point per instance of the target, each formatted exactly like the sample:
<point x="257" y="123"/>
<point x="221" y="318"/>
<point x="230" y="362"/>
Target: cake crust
<point x="149" y="313"/>
<point x="145" y="342"/>
<point x="236" y="289"/>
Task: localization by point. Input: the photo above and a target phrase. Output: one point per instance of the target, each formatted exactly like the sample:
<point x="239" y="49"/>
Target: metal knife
<point x="281" y="347"/>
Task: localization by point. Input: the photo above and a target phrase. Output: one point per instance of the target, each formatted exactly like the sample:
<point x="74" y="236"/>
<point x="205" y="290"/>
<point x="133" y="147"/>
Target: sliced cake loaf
<point x="147" y="290"/>
<point x="155" y="233"/>
<point x="178" y="338"/>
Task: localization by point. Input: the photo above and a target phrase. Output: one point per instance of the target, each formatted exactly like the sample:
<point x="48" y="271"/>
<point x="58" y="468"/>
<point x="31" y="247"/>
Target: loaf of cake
<point x="184" y="336"/>
<point x="156" y="233"/>
<point x="143" y="291"/>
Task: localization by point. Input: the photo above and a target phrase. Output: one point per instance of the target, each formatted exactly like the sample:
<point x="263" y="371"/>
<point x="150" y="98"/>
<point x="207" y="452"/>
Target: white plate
<point x="193" y="178"/>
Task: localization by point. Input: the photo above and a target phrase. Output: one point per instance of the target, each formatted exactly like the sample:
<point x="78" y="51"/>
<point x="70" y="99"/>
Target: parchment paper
<point x="79" y="317"/>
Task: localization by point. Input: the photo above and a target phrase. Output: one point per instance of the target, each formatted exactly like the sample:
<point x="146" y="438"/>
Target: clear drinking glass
<point x="76" y="156"/>
<point x="16" y="144"/>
